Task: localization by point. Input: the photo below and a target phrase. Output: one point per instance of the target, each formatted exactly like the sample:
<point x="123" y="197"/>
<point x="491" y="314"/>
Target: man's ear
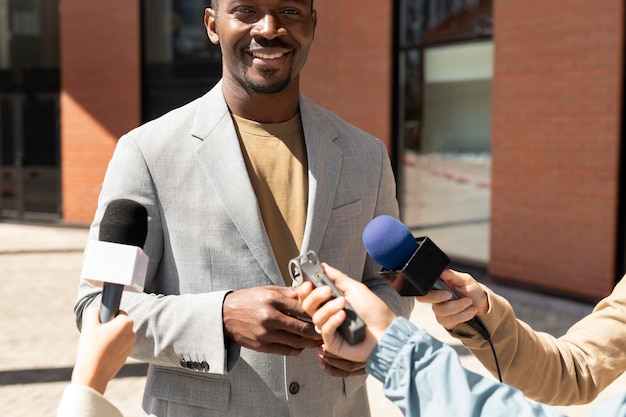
<point x="209" y="22"/>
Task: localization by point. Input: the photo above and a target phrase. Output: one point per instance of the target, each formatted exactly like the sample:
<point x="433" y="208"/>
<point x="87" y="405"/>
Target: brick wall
<point x="556" y="143"/>
<point x="348" y="71"/>
<point x="100" y="97"/>
<point x="349" y="67"/>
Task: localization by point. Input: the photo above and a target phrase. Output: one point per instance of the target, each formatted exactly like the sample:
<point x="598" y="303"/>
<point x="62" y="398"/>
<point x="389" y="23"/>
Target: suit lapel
<point x="220" y="157"/>
<point x="324" y="159"/>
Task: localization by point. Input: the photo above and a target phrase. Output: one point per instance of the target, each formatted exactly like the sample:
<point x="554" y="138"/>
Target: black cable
<point x="495" y="358"/>
<point x="482" y="330"/>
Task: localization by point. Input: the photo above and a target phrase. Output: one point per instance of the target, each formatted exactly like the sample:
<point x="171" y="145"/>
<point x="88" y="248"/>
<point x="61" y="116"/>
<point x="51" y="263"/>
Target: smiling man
<point x="264" y="48"/>
<point x="237" y="183"/>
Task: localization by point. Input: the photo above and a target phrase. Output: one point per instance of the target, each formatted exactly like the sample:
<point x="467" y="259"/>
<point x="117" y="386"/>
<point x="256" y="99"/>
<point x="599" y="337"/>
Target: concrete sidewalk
<point x="39" y="270"/>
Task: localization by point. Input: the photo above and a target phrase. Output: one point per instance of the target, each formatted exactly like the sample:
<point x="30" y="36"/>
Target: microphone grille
<point x="125" y="222"/>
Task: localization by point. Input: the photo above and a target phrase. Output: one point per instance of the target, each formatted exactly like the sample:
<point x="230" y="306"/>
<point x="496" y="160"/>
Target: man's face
<point x="264" y="43"/>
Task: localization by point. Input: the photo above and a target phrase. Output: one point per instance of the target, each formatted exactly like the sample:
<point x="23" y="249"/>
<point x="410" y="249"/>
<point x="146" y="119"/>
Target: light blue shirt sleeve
<point x="615" y="406"/>
<point x="424" y="377"/>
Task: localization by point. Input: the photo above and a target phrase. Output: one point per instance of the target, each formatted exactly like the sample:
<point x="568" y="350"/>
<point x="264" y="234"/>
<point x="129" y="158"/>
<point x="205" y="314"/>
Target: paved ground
<point x="447" y="199"/>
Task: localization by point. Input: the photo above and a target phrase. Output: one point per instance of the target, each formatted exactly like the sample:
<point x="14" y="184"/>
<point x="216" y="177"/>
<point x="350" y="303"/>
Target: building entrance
<point x="30" y="180"/>
<point x="30" y="156"/>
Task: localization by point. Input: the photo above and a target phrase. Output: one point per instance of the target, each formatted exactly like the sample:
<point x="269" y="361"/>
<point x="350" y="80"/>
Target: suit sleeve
<point x="170" y="328"/>
<point x="571" y="369"/>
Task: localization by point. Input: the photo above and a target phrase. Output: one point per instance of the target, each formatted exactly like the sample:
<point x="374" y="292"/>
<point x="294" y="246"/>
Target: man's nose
<point x="268" y="26"/>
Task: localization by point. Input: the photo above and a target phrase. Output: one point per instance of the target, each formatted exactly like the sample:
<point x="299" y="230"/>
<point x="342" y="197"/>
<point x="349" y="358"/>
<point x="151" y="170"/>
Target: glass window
<point x="29" y="109"/>
<point x="179" y="62"/>
<point x="446" y="64"/>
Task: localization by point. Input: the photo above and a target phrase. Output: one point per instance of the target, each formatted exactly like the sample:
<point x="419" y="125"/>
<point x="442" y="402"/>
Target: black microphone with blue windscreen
<point x="412" y="266"/>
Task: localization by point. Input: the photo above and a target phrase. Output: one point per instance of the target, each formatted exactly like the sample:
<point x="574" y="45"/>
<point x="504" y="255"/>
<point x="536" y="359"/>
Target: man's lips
<point x="268" y="56"/>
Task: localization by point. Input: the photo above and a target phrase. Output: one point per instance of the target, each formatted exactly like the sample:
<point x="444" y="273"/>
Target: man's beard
<point x="268" y="86"/>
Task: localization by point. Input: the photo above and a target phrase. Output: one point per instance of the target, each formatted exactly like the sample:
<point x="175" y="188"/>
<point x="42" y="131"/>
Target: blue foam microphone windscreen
<point x="389" y="242"/>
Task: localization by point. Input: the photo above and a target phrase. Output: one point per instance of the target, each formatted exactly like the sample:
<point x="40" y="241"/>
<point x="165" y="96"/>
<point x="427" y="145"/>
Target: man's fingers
<point x="339" y="367"/>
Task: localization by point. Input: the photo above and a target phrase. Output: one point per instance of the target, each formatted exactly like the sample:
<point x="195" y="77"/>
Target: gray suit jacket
<point x="206" y="238"/>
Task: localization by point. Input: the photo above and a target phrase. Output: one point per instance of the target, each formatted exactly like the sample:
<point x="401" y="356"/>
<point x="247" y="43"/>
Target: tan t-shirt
<point x="275" y="157"/>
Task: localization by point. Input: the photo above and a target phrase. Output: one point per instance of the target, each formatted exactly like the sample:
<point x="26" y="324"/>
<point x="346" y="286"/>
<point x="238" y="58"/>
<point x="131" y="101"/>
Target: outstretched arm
<point x="421" y="375"/>
<point x="571" y="369"/>
<point x="102" y="351"/>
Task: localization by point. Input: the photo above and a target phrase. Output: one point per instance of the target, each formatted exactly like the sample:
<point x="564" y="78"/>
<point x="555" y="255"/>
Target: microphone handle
<point x="111" y="297"/>
<point x="475" y="322"/>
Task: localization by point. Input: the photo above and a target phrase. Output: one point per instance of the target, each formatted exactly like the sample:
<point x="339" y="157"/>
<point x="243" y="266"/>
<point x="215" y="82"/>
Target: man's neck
<point x="263" y="108"/>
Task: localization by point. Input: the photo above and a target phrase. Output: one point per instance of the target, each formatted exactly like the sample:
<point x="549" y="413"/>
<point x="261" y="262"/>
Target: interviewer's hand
<point x="473" y="299"/>
<point x="328" y="315"/>
<point x="102" y="349"/>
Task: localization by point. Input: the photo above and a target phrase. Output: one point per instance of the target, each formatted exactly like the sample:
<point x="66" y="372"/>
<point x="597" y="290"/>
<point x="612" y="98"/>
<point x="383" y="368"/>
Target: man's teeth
<point x="267" y="56"/>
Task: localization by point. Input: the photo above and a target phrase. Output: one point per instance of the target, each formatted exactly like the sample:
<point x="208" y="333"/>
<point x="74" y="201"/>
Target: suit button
<point x="205" y="366"/>
<point x="183" y="363"/>
<point x="294" y="387"/>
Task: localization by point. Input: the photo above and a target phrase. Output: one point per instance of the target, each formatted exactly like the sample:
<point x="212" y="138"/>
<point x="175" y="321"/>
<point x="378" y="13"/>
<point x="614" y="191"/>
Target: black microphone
<point x="412" y="266"/>
<point x="124" y="222"/>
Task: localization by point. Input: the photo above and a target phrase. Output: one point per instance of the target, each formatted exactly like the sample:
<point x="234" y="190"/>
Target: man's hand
<point x="336" y="366"/>
<point x="265" y="319"/>
<point x="473" y="299"/>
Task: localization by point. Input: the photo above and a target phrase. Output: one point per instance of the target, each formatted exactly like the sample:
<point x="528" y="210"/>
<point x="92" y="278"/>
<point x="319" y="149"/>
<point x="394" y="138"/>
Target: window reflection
<point x="29" y="109"/>
<point x="179" y="62"/>
<point x="446" y="55"/>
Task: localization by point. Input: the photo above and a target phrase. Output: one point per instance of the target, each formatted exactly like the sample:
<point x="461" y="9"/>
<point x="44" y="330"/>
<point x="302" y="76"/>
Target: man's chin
<point x="267" y="86"/>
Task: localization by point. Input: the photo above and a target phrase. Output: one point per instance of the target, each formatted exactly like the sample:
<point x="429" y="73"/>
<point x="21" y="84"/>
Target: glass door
<point x="29" y="110"/>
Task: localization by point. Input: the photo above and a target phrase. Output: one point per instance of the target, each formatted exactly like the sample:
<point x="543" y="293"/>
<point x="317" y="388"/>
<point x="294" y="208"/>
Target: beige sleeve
<point x="571" y="369"/>
<point x="82" y="401"/>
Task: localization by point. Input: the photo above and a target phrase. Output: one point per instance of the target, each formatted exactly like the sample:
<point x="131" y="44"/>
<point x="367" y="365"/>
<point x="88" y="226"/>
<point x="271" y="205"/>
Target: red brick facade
<point x="100" y="97"/>
<point x="349" y="67"/>
<point x="101" y="94"/>
<point x="556" y="143"/>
